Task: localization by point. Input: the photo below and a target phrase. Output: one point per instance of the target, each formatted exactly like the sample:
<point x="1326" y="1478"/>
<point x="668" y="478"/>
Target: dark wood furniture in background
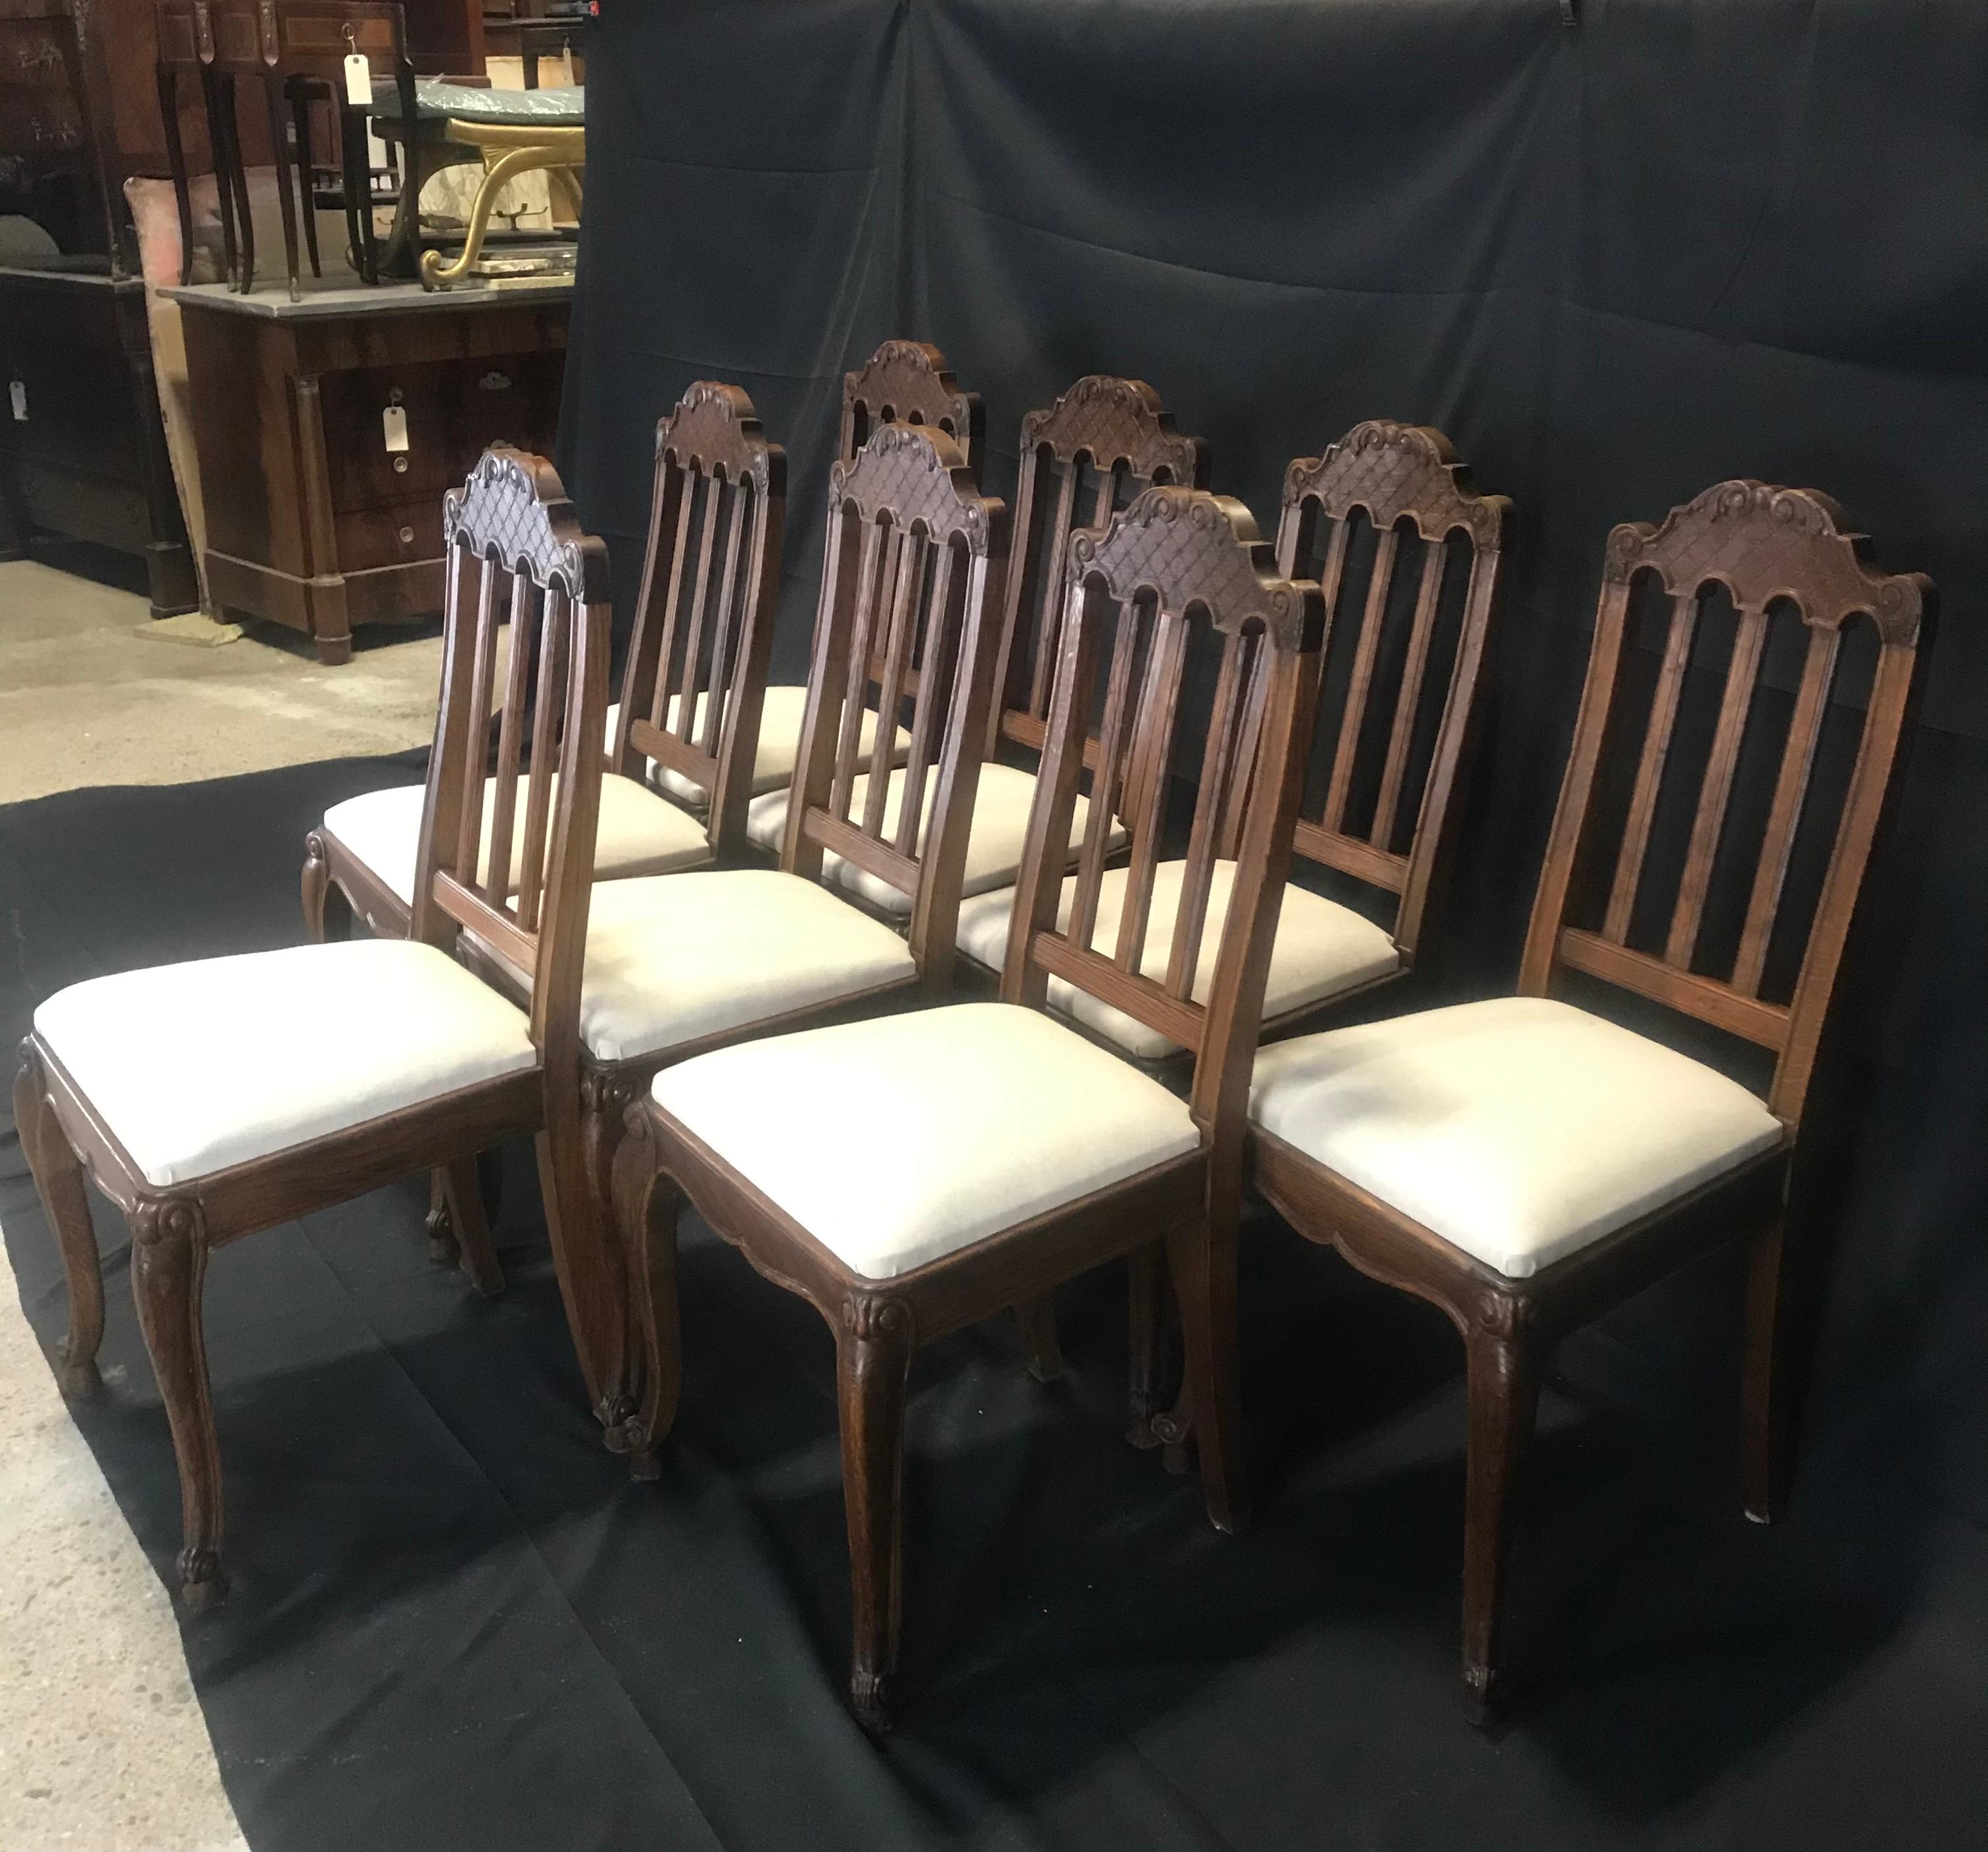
<point x="59" y="162"/>
<point x="1771" y="550"/>
<point x="458" y="1070"/>
<point x="82" y="450"/>
<point x="311" y="521"/>
<point x="718" y="1130"/>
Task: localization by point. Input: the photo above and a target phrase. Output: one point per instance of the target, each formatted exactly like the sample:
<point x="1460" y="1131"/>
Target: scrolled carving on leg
<point x="168" y="1263"/>
<point x="874" y="1350"/>
<point x="327" y="912"/>
<point x="645" y="1204"/>
<point x="440" y="1228"/>
<point x="58" y="1181"/>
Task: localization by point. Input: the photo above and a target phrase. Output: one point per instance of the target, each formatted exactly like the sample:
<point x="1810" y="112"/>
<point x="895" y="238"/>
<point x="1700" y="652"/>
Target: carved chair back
<point x="696" y="676"/>
<point x="912" y="582"/>
<point x="1177" y="561"/>
<point x="1082" y="459"/>
<point x="1402" y="724"/>
<point x="1772" y="551"/>
<point x="908" y="382"/>
<point x="516" y="555"/>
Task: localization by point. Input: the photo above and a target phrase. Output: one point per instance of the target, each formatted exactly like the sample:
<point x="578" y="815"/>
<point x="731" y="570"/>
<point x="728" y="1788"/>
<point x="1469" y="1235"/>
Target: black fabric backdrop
<point x="1616" y="264"/>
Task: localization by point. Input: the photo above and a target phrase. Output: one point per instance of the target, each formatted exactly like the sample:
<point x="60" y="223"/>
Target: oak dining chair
<point x="903" y="382"/>
<point x="679" y="964"/>
<point x="1098" y="446"/>
<point x="213" y="1100"/>
<point x="1408" y="556"/>
<point x="1525" y="1163"/>
<point x="911" y="1174"/>
<point x="715" y="472"/>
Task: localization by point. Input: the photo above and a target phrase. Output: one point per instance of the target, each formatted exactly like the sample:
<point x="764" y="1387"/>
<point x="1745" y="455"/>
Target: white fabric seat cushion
<point x="994" y="1114"/>
<point x="1518" y="1130"/>
<point x="683" y="956"/>
<point x="199" y="1067"/>
<point x="639" y="833"/>
<point x="782" y="710"/>
<point x="1321" y="949"/>
<point x="994" y="844"/>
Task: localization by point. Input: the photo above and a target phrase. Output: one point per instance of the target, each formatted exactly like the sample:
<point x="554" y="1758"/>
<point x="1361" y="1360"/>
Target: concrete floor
<point x="86" y="701"/>
<point x="101" y="1742"/>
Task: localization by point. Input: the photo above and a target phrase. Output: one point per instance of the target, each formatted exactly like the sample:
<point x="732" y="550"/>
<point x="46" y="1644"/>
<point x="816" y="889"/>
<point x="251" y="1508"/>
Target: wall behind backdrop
<point x="1685" y="241"/>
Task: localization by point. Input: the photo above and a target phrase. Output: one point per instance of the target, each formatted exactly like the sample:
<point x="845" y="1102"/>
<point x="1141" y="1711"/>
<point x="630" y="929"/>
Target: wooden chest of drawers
<point x="317" y="517"/>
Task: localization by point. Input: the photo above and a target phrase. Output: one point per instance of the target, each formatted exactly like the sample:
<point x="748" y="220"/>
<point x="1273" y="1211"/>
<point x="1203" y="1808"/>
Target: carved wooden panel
<point x="1764" y="546"/>
<point x="696" y="669"/>
<point x="514" y="509"/>
<point x="1177" y="560"/>
<point x="1406" y="480"/>
<point x="908" y="383"/>
<point x="1104" y="441"/>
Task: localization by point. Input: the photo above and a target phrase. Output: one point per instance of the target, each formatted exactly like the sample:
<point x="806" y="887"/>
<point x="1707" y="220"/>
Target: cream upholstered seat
<point x="674" y="959"/>
<point x="1518" y="1130"/>
<point x="782" y="710"/>
<point x="639" y="832"/>
<point x="994" y="844"/>
<point x="1321" y="949"/>
<point x="996" y="1113"/>
<point x="196" y="1067"/>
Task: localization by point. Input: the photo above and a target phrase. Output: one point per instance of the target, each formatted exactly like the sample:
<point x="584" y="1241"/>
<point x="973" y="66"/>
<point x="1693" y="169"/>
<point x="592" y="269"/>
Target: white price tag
<point x="393" y="421"/>
<point x="358" y="81"/>
<point x="17" y="396"/>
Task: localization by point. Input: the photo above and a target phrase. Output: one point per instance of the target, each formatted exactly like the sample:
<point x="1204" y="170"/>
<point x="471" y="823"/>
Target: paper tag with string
<point x="358" y="81"/>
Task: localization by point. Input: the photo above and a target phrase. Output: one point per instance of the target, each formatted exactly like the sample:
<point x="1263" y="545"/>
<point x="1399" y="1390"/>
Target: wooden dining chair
<point x="905" y="381"/>
<point x="715" y="469"/>
<point x="212" y="1099"/>
<point x="910" y="1175"/>
<point x="1526" y="1164"/>
<point x="679" y="964"/>
<point x="1097" y="447"/>
<point x="1386" y="511"/>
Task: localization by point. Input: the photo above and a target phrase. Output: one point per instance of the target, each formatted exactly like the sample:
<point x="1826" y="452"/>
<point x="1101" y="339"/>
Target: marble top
<point x="270" y="297"/>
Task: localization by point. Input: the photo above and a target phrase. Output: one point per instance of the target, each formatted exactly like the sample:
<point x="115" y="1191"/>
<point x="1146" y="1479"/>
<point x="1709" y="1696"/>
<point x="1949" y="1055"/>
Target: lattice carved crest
<point x="714" y="428"/>
<point x="1764" y="543"/>
<point x="908" y="377"/>
<point x="1186" y="546"/>
<point x="1394" y="470"/>
<point x="918" y="475"/>
<point x="514" y="506"/>
<point x="1115" y="421"/>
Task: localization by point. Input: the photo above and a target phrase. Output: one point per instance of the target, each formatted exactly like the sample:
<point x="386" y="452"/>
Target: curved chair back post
<point x="1177" y="560"/>
<point x="1766" y="546"/>
<point x="516" y="555"/>
<point x="1407" y="481"/>
<point x="1101" y="443"/>
<point x="911" y="573"/>
<point x="909" y="382"/>
<point x="695" y="677"/>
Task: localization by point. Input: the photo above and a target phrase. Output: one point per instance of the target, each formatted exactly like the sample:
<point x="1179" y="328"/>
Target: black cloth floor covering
<point x="456" y="1623"/>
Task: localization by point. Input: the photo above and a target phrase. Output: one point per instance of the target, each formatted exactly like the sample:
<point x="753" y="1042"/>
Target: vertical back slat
<point x="556" y="618"/>
<point x="878" y="540"/>
<point x="930" y="706"/>
<point x="1407" y="702"/>
<point x="689" y="677"/>
<point x="1352" y="723"/>
<point x="1051" y="603"/>
<point x="1217" y="766"/>
<point x="890" y="688"/>
<point x="1717" y="792"/>
<point x="1683" y="628"/>
<point x="1243" y="780"/>
<point x="687" y="495"/>
<point x="510" y="744"/>
<point x="1154" y="751"/>
<point x="724" y="634"/>
<point x="1105" y="785"/>
<point x="1811" y="708"/>
<point x="469" y="843"/>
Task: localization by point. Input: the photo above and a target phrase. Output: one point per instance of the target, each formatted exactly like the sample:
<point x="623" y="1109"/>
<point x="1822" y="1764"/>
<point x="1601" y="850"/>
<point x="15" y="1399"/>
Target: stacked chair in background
<point x="1012" y="941"/>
